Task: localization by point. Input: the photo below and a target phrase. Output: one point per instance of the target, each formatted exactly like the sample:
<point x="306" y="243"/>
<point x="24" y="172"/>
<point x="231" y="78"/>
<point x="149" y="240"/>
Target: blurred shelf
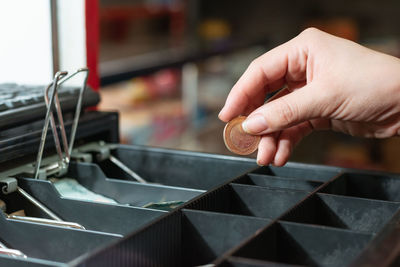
<point x="125" y="68"/>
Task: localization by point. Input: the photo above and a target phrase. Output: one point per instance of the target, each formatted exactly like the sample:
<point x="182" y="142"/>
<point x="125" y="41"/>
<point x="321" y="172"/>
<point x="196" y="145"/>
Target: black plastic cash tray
<point x="234" y="213"/>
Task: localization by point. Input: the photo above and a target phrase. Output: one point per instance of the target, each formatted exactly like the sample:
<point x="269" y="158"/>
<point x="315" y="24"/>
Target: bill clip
<point x="52" y="102"/>
<point x="11" y="252"/>
<point x="9" y="185"/>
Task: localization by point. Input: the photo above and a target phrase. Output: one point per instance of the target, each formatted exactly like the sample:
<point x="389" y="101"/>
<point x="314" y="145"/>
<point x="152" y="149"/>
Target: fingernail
<point x="273" y="163"/>
<point x="220" y="113"/>
<point x="254" y="124"/>
<point x="260" y="164"/>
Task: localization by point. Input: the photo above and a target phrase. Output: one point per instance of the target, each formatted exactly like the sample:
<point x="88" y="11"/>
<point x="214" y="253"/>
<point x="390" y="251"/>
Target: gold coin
<point x="237" y="140"/>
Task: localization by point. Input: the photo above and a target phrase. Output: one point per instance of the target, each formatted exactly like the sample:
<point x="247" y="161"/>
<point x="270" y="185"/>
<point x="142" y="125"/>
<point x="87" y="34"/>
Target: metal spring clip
<point x="11" y="252"/>
<point x="60" y="167"/>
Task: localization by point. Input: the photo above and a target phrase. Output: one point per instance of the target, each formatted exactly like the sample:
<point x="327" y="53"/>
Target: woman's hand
<point x="332" y="83"/>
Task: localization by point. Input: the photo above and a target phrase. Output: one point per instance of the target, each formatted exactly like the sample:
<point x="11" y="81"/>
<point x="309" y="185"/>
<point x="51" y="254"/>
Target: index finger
<point x="265" y="71"/>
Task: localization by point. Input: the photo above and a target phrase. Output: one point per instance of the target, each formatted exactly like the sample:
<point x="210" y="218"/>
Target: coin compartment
<point x="249" y="200"/>
<point x="300" y="244"/>
<point x="205" y="235"/>
<point x="177" y="168"/>
<point x="277" y="182"/>
<point x="381" y="187"/>
<point x="300" y="171"/>
<point x="356" y="214"/>
<point x="127" y="192"/>
<point x="93" y="216"/>
<point x="50" y="242"/>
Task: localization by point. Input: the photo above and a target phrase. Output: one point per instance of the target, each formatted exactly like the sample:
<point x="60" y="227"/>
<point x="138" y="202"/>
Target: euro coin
<point x="237" y="140"/>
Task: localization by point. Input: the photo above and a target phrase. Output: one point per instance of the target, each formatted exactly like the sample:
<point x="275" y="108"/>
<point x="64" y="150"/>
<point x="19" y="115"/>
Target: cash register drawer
<point x="228" y="212"/>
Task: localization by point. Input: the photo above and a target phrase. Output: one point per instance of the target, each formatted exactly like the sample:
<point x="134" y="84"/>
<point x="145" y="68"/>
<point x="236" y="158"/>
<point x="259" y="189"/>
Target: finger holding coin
<point x="237" y="140"/>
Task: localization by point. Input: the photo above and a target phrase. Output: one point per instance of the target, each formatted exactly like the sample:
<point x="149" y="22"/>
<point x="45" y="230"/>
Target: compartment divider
<point x="290" y="243"/>
<point x="300" y="171"/>
<point x="362" y="215"/>
<point x="250" y="200"/>
<point x="278" y="182"/>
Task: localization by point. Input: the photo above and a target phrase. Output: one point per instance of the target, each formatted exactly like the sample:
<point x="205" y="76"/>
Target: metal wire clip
<point x="60" y="167"/>
<point x="11" y="252"/>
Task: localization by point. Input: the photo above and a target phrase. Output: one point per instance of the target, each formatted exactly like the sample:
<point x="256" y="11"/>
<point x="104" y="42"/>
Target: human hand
<point x="332" y="83"/>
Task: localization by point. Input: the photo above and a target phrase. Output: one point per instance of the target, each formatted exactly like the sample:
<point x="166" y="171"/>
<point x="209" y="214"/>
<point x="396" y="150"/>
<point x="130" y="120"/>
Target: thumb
<point x="298" y="106"/>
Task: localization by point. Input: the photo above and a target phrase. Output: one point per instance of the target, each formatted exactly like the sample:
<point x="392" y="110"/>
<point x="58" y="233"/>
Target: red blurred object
<point x="164" y="83"/>
<point x="116" y="19"/>
<point x="343" y="27"/>
<point x="92" y="42"/>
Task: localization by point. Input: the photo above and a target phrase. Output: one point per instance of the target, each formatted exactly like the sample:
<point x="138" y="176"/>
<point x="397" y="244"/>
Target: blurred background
<point x="167" y="67"/>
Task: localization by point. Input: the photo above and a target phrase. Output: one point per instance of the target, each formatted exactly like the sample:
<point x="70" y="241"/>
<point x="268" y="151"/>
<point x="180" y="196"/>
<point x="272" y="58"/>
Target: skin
<point x="332" y="83"/>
